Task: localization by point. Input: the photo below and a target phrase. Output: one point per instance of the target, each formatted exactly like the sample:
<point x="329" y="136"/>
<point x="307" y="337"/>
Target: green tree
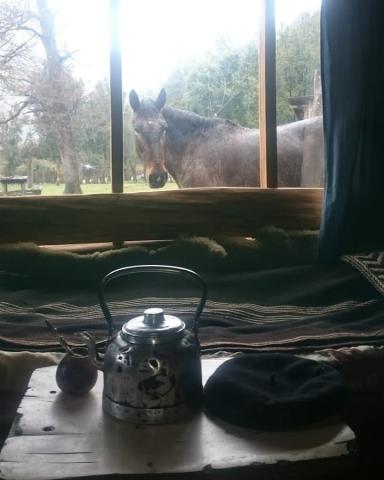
<point x="10" y="147"/>
<point x="297" y="60"/>
<point x="47" y="151"/>
<point x="223" y="84"/>
<point x="92" y="127"/>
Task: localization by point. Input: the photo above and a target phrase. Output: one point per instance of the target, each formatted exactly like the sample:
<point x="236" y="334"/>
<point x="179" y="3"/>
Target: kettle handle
<point x="124" y="271"/>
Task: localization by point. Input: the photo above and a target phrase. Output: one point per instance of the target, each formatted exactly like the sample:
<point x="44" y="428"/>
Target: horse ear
<point x="134" y="100"/>
<point x="161" y="99"/>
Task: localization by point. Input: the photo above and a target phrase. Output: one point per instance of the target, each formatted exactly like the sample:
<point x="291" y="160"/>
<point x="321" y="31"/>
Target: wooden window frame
<point x="116" y="88"/>
<point x="167" y="214"/>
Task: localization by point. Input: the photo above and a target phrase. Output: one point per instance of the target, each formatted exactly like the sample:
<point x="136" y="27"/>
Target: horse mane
<point x="189" y="123"/>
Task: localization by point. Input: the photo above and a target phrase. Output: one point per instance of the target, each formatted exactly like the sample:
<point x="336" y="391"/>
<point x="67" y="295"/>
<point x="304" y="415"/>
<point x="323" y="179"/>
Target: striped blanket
<point x="289" y="309"/>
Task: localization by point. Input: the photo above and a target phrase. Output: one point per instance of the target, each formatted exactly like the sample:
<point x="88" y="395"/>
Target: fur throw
<point x="272" y="248"/>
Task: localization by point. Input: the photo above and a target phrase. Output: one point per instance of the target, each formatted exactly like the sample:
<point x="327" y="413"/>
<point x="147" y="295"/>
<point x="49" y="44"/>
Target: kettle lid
<point x="154" y="323"/>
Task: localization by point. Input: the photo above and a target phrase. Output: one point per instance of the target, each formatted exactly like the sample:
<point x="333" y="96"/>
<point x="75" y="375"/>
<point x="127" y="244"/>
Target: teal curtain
<point x="352" y="57"/>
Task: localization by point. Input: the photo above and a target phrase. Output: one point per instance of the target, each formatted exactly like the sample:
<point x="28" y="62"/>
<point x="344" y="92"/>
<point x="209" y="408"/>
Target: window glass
<point x="299" y="101"/>
<point x="205" y="55"/>
<point x="54" y="97"/>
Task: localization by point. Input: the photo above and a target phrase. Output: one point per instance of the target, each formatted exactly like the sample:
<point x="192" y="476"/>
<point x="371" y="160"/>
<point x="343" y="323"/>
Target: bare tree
<point x="44" y="90"/>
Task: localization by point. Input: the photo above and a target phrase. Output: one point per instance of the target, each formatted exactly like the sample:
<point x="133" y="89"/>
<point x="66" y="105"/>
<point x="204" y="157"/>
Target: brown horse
<point x="212" y="152"/>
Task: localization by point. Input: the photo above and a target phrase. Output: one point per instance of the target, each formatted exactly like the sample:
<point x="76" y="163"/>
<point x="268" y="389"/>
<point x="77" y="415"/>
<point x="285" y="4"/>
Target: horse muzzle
<point x="157" y="180"/>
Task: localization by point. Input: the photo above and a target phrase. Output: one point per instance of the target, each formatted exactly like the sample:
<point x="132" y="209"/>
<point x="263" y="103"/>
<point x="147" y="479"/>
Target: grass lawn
<point x="129" y="187"/>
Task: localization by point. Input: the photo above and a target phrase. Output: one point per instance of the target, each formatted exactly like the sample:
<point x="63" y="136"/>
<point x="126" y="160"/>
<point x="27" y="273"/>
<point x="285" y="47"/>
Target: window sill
<point x="157" y="215"/>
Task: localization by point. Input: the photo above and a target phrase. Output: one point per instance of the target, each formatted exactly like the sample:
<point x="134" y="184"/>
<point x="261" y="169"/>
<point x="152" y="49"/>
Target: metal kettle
<point x="152" y="366"/>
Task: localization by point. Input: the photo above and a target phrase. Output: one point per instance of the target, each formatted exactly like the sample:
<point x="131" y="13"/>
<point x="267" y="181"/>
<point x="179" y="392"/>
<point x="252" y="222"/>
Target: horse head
<point x="150" y="135"/>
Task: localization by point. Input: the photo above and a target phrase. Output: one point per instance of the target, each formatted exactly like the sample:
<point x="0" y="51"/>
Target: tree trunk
<point x="29" y="172"/>
<point x="58" y="179"/>
<point x="60" y="99"/>
<point x="70" y="164"/>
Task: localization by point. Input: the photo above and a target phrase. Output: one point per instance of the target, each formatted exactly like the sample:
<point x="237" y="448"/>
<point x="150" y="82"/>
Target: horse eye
<point x="138" y="131"/>
<point x="140" y="148"/>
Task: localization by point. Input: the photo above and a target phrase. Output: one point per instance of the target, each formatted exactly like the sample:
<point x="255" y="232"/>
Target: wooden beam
<point x="267" y="96"/>
<point x="117" y="147"/>
<point x="156" y="215"/>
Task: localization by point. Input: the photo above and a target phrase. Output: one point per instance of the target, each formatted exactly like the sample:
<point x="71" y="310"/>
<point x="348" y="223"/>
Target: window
<point x="208" y="66"/>
<point x="55" y="97"/>
<point x="141" y="215"/>
<point x="298" y="90"/>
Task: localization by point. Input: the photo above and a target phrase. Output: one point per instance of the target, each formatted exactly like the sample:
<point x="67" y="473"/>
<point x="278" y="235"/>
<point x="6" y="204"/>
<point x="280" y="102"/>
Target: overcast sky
<point x="158" y="35"/>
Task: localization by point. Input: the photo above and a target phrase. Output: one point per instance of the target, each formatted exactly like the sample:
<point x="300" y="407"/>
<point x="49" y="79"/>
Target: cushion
<point x="273" y="391"/>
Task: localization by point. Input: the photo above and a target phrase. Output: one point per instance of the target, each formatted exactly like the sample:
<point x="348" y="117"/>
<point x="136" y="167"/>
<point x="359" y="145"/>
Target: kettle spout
<point x="93" y="354"/>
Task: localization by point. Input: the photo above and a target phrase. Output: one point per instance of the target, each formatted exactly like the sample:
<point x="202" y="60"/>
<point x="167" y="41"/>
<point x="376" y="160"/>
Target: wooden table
<point x="57" y="436"/>
<point x="6" y="181"/>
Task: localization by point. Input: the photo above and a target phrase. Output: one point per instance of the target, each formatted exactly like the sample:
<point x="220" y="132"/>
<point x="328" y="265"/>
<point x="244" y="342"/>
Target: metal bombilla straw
<point x="61" y="339"/>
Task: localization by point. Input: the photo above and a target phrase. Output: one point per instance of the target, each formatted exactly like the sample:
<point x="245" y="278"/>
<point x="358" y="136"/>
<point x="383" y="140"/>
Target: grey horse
<point x="199" y="151"/>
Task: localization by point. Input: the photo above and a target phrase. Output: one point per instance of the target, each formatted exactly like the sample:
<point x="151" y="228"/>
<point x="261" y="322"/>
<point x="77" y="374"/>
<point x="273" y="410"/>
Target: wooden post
<point x="267" y="102"/>
<point x="117" y="152"/>
<point x="117" y="141"/>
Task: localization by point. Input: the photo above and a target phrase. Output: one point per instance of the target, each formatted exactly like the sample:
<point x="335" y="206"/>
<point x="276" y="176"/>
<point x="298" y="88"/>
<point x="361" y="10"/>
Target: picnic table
<point x="7" y="181"/>
<point x="21" y="181"/>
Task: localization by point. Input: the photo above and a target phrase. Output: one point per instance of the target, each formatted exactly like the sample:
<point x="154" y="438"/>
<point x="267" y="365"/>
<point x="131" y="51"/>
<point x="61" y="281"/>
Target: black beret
<point x="274" y="391"/>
